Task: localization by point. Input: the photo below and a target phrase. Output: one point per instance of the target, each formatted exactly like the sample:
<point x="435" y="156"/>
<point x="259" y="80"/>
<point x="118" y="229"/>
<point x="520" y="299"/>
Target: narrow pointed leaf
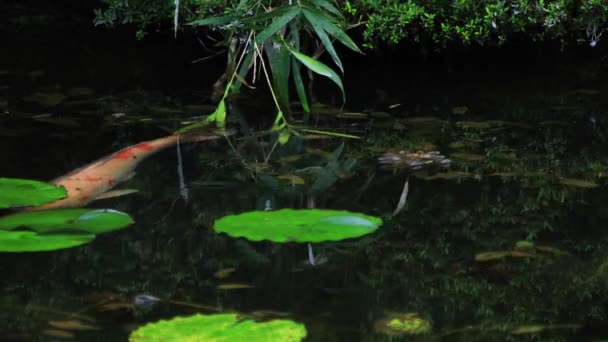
<point x="278" y="24"/>
<point x="320" y="69"/>
<point x="279" y="59"/>
<point x="317" y="24"/>
<point x="268" y="15"/>
<point x="212" y="21"/>
<point x="300" y="89"/>
<point x="328" y="6"/>
<point x="330" y="28"/>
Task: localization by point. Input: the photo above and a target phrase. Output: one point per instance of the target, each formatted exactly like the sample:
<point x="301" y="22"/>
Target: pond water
<point x="506" y="242"/>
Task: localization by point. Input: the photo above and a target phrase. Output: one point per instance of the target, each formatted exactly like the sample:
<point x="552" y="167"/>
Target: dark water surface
<point x="537" y="172"/>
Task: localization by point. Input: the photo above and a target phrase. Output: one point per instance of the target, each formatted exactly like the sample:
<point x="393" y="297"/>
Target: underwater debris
<point x="414" y="160"/>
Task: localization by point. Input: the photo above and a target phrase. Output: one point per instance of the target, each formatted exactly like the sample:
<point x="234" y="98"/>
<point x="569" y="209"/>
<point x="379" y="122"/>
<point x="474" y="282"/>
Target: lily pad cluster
<point x="221" y="328"/>
<point x="49" y="229"/>
<point x="298" y="225"/>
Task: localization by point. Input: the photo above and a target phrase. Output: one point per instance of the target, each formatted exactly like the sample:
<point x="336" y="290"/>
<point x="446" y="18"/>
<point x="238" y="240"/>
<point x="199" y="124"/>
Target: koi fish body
<point x="96" y="179"/>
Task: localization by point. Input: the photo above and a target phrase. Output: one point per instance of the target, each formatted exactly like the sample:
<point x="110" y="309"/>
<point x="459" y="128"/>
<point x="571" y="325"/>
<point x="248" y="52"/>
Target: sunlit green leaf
<point x="320" y="69"/>
<point x="219" y="327"/>
<point x="284" y="136"/>
<point x="24" y="192"/>
<point x="304" y="225"/>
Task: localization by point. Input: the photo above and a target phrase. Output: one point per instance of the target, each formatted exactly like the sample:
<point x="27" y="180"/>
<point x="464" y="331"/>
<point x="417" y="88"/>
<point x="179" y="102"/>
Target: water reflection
<point x="508" y="240"/>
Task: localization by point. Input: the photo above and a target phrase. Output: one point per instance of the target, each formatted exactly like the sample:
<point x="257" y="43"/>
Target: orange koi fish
<point x="95" y="180"/>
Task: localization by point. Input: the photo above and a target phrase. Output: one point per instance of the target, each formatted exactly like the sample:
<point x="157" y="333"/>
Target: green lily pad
<point x="303" y="225"/>
<point x="24" y="192"/>
<point x="219" y="328"/>
<point x="93" y="221"/>
<point x="25" y="241"/>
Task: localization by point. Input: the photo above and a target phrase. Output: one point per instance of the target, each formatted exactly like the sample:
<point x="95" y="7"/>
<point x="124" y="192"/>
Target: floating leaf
<point x="25" y="241"/>
<point x="72" y="324"/>
<point x="293" y="179"/>
<point x="225" y="273"/>
<point x="291" y="225"/>
<point x="24" y="192"/>
<point x="579" y="183"/>
<point x="58" y="333"/>
<point x="468" y="156"/>
<point x="234" y="286"/>
<point x="219" y="327"/>
<point x="487" y="256"/>
<point x="48" y="221"/>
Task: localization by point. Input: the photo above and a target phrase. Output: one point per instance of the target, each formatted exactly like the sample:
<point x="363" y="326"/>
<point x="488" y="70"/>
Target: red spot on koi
<point x="92" y="179"/>
<point x="83" y="198"/>
<point x="110" y="182"/>
<point x="125" y="154"/>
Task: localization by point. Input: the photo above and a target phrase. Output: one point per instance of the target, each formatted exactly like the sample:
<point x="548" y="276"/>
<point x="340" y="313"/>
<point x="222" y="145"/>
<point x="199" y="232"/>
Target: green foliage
<point x="477" y="21"/>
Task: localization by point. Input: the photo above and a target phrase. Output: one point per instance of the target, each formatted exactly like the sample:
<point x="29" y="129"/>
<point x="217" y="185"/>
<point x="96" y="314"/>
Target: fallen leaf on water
<point x="468" y="156"/>
<point x="487" y="256"/>
<point x="226" y="272"/>
<point x="293" y="179"/>
<point x="533" y="329"/>
<point x="72" y="324"/>
<point x="115" y="306"/>
<point x="580" y="183"/>
<point x="460" y="110"/>
<point x="58" y="333"/>
<point x="552" y="250"/>
<point x="234" y="286"/>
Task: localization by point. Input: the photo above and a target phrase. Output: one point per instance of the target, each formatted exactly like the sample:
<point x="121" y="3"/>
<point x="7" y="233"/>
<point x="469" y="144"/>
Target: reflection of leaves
<point x="328" y="175"/>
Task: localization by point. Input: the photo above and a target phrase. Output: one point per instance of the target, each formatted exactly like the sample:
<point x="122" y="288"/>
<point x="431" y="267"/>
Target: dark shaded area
<point x="422" y="260"/>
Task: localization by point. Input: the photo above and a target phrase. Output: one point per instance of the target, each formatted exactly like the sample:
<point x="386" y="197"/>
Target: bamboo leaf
<point x="317" y="23"/>
<point x="280" y="61"/>
<point x="328" y="6"/>
<point x="320" y="69"/>
<point x="278" y="24"/>
<point x="244" y="69"/>
<point x="268" y="15"/>
<point x="212" y="21"/>
<point x="330" y="27"/>
<point x="300" y="89"/>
